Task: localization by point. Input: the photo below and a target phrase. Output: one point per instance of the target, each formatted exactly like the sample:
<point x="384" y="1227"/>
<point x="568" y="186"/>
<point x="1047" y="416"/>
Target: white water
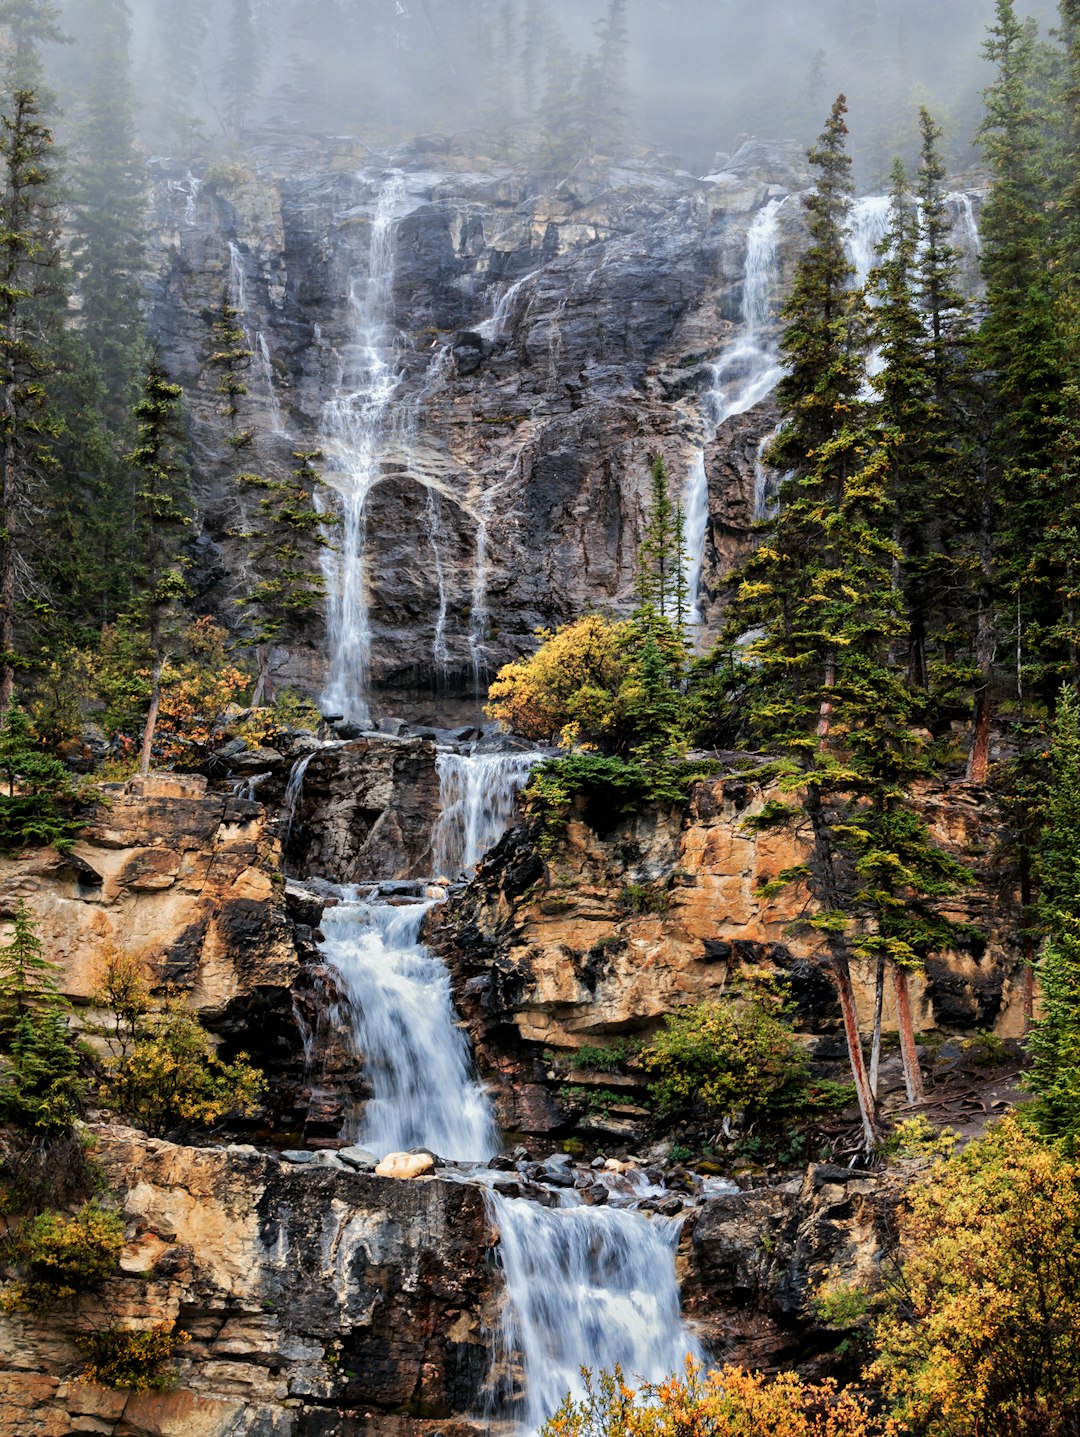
<point x="966" y="226"/>
<point x="477" y="797"/>
<point x="266" y="374"/>
<point x="416" y="1059"/>
<point x="586" y="1286"/>
<point x="765" y="486"/>
<point x="495" y="326"/>
<point x="478" y="609"/>
<point x="190" y="187"/>
<point x="257" y="344"/>
<point x="356" y="425"/>
<point x="746" y="372"/>
<point x="290" y="805"/>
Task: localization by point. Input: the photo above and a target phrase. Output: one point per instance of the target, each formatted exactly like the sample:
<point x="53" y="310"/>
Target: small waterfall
<point x="416" y="1058"/>
<point x="440" y="653"/>
<point x="260" y="350"/>
<point x="290" y="805"/>
<point x="586" y="1286"/>
<point x="494" y="327"/>
<point x="190" y="187"/>
<point x="266" y="374"/>
<point x="478" y="609"/>
<point x="356" y="425"/>
<point x="477" y="798"/>
<point x="868" y="225"/>
<point x="742" y="377"/>
<point x="965" y="226"/>
<point x="765" y="485"/>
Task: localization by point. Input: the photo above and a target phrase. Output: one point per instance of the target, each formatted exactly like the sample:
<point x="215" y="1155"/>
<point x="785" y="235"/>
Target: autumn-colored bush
<point x="161" y="1072"/>
<point x="568" y="691"/>
<point x="133" y="1359"/>
<point x="728" y="1402"/>
<point x="981" y="1332"/>
<point x="730" y="1057"/>
<point x="59" y="1257"/>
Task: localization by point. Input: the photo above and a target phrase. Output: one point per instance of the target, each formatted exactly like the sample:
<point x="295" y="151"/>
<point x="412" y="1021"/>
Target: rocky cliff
<point x="551" y="332"/>
<point x="631" y="918"/>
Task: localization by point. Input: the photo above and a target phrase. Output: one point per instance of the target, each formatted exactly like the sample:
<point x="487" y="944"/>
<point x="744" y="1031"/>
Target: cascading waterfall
<point x="586" y="1286"/>
<point x="416" y="1059"/>
<point x="744" y="374"/>
<point x="357" y="423"/>
<point x="495" y="326"/>
<point x="478" y="609"/>
<point x="256" y="343"/>
<point x="478" y="792"/>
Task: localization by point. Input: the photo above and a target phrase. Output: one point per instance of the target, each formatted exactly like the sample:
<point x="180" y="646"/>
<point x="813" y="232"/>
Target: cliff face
<point x="316" y="1301"/>
<point x="550" y="333"/>
<point x="550" y="957"/>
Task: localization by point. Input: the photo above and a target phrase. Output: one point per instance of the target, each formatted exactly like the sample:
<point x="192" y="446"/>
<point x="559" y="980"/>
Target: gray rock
<point x="298" y="1155"/>
<point x="358" y="1158"/>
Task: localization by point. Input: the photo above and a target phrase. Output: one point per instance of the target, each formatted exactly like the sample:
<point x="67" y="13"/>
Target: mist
<point x="689" y="78"/>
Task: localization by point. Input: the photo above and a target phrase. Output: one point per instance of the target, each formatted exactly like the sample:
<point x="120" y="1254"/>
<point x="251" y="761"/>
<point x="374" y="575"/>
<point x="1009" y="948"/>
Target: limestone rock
<point x="405" y="1165"/>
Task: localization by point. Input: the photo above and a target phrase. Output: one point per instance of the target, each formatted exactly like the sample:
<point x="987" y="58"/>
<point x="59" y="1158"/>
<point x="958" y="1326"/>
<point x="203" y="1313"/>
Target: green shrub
<point x="603" y="1059"/>
<point x="644" y="898"/>
<point x="44" y="799"/>
<point x="169" y="1078"/>
<point x="133" y="1359"/>
<point x="727" y="1057"/>
<point x="62" y="1257"/>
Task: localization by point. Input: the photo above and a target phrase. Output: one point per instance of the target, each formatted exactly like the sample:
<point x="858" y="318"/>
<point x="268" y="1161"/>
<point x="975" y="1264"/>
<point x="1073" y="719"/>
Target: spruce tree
<point x="241" y="73"/>
<point x="109" y="201"/>
<point x="29" y="273"/>
<point x="162" y="514"/>
<point x="180" y="33"/>
<point x="290" y="530"/>
<point x="28" y="24"/>
<point x="1054" y="1042"/>
<point x="40" y="1086"/>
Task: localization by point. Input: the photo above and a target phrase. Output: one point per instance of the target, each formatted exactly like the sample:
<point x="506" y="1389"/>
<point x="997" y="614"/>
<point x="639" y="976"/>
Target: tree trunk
<point x="151" y="718"/>
<point x="912" y="1073"/>
<point x="875" y="1043"/>
<point x="825" y="713"/>
<point x="979" y="759"/>
<point x="867" y="1103"/>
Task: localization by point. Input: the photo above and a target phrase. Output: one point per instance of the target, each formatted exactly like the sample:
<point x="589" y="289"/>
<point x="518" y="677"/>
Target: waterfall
<point x="257" y="344"/>
<point x="586" y="1286"/>
<point x="764" y="486"/>
<point x="477" y="796"/>
<point x="266" y="374"/>
<point x="290" y="805"/>
<point x="478" y="609"/>
<point x="356" y="428"/>
<point x="966" y="226"/>
<point x="742" y="377"/>
<point x="494" y="327"/>
<point x="867" y="226"/>
<point x="440" y="654"/>
<point x="416" y="1058"/>
<point x="190" y="187"/>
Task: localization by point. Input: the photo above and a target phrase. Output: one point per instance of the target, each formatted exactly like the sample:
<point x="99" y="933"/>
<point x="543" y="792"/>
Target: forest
<point x="900" y="627"/>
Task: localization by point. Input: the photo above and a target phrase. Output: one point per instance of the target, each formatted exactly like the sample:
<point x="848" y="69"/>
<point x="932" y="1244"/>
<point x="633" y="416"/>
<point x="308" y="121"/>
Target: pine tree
<point x="1054" y="1042"/>
<point x="161" y="505"/>
<point x="29" y="273"/>
<point x="109" y="201"/>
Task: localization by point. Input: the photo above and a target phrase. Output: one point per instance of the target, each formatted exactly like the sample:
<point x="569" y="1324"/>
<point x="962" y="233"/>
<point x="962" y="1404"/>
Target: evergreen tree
<point x="290" y="531"/>
<point x="660" y="583"/>
<point x="29" y="274"/>
<point x="1054" y="1042"/>
<point x="822" y="683"/>
<point x="180" y="33"/>
<point x="1019" y="347"/>
<point x="39" y="1082"/>
<point x="161" y="504"/>
<point x="241" y="73"/>
<point x="108" y="206"/>
<point x="43" y="799"/>
<point x="27" y="25"/>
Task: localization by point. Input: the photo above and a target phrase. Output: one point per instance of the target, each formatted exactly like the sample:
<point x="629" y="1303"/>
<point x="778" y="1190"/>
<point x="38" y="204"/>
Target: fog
<point x="556" y="77"/>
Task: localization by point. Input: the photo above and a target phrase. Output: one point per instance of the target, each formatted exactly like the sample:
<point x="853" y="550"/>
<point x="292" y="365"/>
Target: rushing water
<point x="477" y="796"/>
<point x="585" y="1286"/>
<point x="746" y="372"/>
<point x="356" y="426"/>
<point x="424" y="1092"/>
